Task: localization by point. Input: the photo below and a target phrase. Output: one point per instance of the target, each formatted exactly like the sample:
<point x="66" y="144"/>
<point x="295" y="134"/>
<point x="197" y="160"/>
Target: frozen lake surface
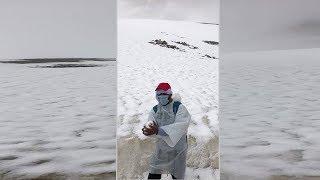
<point x="270" y="115"/>
<point x="57" y="118"/>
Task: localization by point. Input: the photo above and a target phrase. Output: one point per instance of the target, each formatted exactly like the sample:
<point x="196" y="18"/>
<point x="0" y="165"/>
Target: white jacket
<point x="171" y="149"/>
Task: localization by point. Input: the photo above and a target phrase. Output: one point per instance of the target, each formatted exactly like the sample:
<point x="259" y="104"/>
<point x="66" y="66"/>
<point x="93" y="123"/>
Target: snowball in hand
<point x="149" y="124"/>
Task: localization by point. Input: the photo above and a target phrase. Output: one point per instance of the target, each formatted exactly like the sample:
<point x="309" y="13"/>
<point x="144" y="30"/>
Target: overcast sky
<point x="188" y="10"/>
<point x="269" y="24"/>
<point x="57" y="28"/>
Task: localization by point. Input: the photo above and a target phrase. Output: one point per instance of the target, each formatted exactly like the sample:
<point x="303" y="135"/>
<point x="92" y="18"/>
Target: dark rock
<point x="163" y="43"/>
<point x="70" y="66"/>
<point x="186" y="44"/>
<point x="208" y="56"/>
<point x="208" y="23"/>
<point x="54" y="60"/>
<point x="211" y="42"/>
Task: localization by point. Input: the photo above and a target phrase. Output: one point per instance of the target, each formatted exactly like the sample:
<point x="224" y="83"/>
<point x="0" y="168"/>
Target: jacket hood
<point x="176" y="97"/>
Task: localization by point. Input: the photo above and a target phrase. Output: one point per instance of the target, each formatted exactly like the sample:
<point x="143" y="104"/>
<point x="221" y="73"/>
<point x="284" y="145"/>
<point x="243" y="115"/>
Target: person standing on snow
<point x="168" y="122"/>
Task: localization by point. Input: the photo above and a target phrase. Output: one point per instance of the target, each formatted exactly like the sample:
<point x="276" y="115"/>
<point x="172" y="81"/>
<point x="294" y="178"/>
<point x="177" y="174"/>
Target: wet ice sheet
<point x="270" y="115"/>
<point x="57" y="120"/>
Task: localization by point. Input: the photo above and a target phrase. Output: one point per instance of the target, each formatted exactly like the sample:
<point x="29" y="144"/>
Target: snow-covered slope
<point x="57" y="122"/>
<point x="185" y="54"/>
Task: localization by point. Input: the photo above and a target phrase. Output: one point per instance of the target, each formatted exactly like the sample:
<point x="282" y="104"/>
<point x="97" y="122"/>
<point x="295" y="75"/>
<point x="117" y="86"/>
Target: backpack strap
<point x="155" y="108"/>
<point x="176" y="105"/>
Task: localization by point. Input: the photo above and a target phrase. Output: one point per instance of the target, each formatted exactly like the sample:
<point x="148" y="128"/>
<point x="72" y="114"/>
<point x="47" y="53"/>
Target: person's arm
<point x="177" y="129"/>
<point x="183" y="115"/>
<point x="161" y="132"/>
<point x="152" y="130"/>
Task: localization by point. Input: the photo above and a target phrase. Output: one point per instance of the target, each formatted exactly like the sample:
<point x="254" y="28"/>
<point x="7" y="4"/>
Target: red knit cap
<point x="164" y="88"/>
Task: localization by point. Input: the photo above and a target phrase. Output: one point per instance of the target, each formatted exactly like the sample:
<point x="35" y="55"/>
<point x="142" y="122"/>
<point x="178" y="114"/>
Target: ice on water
<point x="57" y="120"/>
<point x="270" y="117"/>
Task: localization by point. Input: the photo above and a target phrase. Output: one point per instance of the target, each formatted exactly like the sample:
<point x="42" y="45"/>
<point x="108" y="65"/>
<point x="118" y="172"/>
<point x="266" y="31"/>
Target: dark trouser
<point x="157" y="176"/>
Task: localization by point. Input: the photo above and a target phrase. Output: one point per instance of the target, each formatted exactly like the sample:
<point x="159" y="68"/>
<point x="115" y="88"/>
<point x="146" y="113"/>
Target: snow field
<point x="142" y="65"/>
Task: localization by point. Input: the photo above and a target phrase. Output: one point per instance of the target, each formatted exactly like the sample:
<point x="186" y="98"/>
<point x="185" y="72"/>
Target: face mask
<point x="163" y="99"/>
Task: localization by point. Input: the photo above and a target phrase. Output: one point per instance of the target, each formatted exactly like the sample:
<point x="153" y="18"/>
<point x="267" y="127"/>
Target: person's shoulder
<point x="177" y="102"/>
<point x="180" y="106"/>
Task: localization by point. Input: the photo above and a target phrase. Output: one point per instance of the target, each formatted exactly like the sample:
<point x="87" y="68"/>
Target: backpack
<point x="175" y="107"/>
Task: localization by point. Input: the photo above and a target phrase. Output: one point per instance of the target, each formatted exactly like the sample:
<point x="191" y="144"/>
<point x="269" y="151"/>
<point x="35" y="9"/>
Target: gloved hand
<point x="152" y="129"/>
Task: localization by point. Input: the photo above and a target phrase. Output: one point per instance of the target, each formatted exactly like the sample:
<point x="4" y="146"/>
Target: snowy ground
<point x="270" y="117"/>
<point x="57" y="122"/>
<point x="189" y="65"/>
